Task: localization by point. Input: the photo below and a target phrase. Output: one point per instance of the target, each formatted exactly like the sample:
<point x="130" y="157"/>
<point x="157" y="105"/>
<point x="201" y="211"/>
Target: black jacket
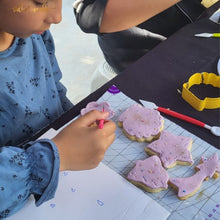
<point x="124" y="47"/>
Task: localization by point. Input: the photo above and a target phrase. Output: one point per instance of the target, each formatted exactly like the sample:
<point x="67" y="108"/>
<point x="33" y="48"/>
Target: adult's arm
<point x="106" y="16"/>
<point x="123" y="14"/>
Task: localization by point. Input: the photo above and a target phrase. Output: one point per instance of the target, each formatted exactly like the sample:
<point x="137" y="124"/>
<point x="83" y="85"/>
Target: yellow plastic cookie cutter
<point x="194" y="101"/>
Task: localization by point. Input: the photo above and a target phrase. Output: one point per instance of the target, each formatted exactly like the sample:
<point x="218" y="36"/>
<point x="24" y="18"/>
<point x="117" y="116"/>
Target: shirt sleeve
<point x="30" y="170"/>
<point x="89" y="14"/>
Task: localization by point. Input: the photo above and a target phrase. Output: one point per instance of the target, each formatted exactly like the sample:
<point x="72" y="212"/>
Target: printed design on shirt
<point x="21" y="42"/>
<point x="23" y="196"/>
<point x="47" y="41"/>
<point x="47" y="73"/>
<point x="46" y="113"/>
<point x="35" y="81"/>
<point x="17" y="159"/>
<point x="60" y="91"/>
<point x="2" y="110"/>
<point x="11" y="87"/>
<point x="27" y="129"/>
<point x="4" y="213"/>
<point x="53" y="93"/>
<point x="28" y="111"/>
<point x="37" y="179"/>
<point x="34" y="56"/>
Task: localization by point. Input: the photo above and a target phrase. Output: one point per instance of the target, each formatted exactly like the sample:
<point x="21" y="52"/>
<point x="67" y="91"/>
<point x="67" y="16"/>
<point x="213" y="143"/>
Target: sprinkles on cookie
<point x="171" y="149"/>
<point x="149" y="175"/>
<point x="140" y="123"/>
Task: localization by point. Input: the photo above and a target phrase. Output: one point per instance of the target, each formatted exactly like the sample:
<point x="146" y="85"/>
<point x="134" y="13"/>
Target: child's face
<point x="23" y="18"/>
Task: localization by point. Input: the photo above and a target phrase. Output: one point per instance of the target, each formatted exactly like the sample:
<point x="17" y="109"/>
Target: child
<point x="31" y="98"/>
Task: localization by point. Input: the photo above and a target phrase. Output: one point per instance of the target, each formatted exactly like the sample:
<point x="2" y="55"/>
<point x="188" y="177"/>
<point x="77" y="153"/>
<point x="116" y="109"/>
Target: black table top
<point x="157" y="76"/>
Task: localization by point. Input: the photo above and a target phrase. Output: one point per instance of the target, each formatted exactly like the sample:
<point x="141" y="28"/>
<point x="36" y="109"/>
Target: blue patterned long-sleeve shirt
<point x="31" y="97"/>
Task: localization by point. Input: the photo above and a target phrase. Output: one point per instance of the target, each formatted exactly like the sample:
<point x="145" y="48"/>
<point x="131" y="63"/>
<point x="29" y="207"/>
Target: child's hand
<point x="82" y="145"/>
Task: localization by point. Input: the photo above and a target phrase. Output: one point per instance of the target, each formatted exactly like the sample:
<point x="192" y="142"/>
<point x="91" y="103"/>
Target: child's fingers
<point x="109" y="141"/>
<point x="92" y="116"/>
<point x="109" y="127"/>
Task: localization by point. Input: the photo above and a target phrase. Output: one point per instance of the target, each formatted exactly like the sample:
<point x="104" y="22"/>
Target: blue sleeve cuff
<point x="44" y="156"/>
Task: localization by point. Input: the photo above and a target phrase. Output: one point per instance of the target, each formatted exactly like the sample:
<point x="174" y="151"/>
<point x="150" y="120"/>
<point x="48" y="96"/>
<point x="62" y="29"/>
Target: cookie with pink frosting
<point x="187" y="187"/>
<point x="140" y="123"/>
<point x="100" y="106"/>
<point x="171" y="149"/>
<point x="149" y="175"/>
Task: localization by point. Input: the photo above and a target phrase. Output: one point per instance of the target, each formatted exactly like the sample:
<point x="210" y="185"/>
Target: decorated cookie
<point x="149" y="175"/>
<point x="140" y="123"/>
<point x="171" y="149"/>
<point x="102" y="106"/>
<point x="208" y="168"/>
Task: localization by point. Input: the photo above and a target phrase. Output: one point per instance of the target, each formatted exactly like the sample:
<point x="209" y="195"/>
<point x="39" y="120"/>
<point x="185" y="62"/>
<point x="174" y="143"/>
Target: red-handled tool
<point x="101" y="122"/>
<point x="181" y="116"/>
<point x="214" y="129"/>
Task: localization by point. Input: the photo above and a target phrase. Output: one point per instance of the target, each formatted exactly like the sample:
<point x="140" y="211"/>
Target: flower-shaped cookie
<point x="140" y="123"/>
<point x="102" y="106"/>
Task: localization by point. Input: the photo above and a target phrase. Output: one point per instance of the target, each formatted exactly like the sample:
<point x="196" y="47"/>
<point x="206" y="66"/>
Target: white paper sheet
<point x="97" y="194"/>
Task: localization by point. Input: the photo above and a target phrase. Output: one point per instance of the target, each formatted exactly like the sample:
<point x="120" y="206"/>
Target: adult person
<point x="128" y="29"/>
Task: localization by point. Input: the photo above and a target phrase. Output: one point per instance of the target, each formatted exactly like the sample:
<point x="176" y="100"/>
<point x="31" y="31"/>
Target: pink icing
<point x="149" y="172"/>
<point x="141" y="121"/>
<point x="98" y="106"/>
<point x="171" y="148"/>
<point x="190" y="184"/>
